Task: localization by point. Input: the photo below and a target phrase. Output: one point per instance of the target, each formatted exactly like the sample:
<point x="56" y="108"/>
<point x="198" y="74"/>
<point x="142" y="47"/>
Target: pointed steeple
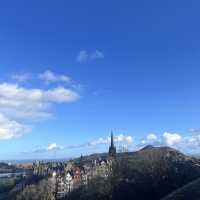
<point x="112" y="140"/>
<point x="112" y="149"/>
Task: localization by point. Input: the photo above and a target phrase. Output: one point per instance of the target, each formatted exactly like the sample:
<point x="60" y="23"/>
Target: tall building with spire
<point x="112" y="148"/>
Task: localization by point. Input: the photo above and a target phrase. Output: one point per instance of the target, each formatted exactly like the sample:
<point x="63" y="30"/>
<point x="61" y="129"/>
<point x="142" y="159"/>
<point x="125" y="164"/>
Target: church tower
<point x="112" y="148"/>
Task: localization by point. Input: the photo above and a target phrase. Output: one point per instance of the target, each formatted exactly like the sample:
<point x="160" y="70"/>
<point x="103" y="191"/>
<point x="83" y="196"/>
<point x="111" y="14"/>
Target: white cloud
<point x="192" y="142"/>
<point x="152" y="137"/>
<point x="186" y="143"/>
<point x="32" y="103"/>
<point x="26" y="104"/>
<point x="84" y="56"/>
<point x="48" y="76"/>
<point x="60" y="95"/>
<point x="118" y="139"/>
<point x="183" y="143"/>
<point x="11" y="129"/>
<point x="54" y="147"/>
<point x="123" y="138"/>
<point x="22" y="77"/>
<point x="100" y="141"/>
<point x="172" y="139"/>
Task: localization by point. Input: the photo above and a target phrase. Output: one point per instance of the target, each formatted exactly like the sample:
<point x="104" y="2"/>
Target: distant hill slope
<point x="151" y="173"/>
<point x="154" y="172"/>
<point x="187" y="192"/>
<point x="147" y="152"/>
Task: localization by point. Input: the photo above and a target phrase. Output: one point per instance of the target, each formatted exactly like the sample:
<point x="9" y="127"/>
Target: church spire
<point x="112" y="149"/>
<point x="112" y="141"/>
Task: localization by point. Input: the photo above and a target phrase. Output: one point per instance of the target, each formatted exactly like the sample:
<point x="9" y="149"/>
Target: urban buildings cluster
<point x="66" y="177"/>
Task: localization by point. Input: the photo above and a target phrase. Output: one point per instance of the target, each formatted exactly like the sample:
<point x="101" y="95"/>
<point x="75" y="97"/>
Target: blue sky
<point x="72" y="71"/>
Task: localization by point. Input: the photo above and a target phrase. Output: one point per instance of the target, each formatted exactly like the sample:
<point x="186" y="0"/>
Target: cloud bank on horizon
<point x="189" y="143"/>
<point x="119" y="139"/>
<point x="174" y="140"/>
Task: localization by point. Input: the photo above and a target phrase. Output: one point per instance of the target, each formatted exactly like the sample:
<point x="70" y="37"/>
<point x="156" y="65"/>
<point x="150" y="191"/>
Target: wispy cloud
<point x="189" y="143"/>
<point x="21" y="77"/>
<point x="49" y="76"/>
<point x="85" y="56"/>
<point x="53" y="147"/>
<point x="120" y="139"/>
<point x="96" y="55"/>
<point x="152" y="137"/>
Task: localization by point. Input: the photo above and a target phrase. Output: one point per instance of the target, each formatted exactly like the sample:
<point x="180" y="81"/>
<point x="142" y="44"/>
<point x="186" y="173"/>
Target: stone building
<point x="66" y="177"/>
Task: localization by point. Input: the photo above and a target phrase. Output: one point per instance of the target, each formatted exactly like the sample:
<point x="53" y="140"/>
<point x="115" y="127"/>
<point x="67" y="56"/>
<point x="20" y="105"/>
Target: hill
<point x="151" y="173"/>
